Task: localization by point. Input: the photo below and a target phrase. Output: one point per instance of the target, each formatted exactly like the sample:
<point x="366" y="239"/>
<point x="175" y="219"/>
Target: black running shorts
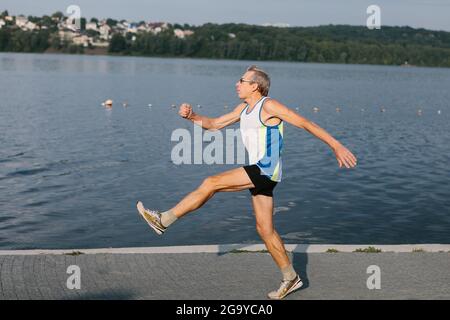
<point x="263" y="184"/>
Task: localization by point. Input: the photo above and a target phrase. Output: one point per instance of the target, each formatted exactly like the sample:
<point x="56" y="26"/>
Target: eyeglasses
<point x="242" y="80"/>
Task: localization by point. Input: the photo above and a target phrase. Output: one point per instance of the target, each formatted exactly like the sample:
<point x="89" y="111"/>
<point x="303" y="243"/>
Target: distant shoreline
<point x="87" y="51"/>
<point x="337" y="44"/>
<point x="104" y="52"/>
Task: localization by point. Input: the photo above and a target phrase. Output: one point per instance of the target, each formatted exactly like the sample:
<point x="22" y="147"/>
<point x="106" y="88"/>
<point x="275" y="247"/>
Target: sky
<point x="429" y="14"/>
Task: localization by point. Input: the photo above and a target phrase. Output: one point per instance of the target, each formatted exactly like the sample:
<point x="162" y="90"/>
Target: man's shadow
<point x="300" y="264"/>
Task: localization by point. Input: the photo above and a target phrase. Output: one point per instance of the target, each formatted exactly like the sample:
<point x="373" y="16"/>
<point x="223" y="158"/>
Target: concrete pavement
<point x="237" y="272"/>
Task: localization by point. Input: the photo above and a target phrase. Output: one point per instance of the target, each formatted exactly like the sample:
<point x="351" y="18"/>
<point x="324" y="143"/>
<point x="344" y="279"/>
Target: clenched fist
<point x="185" y="110"/>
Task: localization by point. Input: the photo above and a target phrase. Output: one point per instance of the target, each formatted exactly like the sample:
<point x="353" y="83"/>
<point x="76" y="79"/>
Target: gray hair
<point x="261" y="78"/>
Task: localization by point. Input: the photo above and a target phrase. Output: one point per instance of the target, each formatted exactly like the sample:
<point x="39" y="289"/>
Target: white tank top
<point x="263" y="143"/>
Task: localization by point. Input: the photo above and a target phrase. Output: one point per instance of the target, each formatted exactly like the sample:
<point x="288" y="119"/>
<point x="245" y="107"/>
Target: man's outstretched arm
<point x="343" y="155"/>
<point x="211" y="123"/>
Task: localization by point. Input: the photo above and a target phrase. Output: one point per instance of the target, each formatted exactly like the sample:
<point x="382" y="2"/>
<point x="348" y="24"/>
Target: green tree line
<point x="331" y="44"/>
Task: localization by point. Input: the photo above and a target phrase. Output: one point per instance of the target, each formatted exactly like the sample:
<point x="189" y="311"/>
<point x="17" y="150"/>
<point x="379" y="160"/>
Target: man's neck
<point x="251" y="101"/>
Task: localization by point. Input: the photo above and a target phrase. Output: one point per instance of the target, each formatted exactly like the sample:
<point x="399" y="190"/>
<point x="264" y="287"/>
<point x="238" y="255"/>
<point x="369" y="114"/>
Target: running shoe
<point x="287" y="286"/>
<point x="152" y="217"/>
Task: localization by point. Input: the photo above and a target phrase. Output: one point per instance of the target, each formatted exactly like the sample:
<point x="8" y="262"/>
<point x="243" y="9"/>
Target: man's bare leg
<point x="263" y="207"/>
<point x="232" y="180"/>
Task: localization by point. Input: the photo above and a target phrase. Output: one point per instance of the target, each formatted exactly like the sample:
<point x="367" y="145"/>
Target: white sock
<point x="288" y="273"/>
<point x="167" y="218"/>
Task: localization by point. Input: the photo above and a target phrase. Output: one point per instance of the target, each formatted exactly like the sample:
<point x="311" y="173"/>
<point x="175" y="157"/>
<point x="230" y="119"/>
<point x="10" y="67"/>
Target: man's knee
<point x="264" y="231"/>
<point x="210" y="184"/>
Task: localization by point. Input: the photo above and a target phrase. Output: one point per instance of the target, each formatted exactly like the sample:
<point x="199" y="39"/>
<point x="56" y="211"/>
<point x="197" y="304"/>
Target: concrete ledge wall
<point x="296" y="248"/>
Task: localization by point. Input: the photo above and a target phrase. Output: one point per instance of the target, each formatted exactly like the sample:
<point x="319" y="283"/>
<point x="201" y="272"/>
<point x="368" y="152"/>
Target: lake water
<point x="71" y="170"/>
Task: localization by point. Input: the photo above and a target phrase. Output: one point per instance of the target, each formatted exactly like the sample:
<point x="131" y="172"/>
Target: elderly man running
<point x="261" y="123"/>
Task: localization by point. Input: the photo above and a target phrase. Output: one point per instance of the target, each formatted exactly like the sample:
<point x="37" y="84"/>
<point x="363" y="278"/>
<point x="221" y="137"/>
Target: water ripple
<point x="71" y="173"/>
